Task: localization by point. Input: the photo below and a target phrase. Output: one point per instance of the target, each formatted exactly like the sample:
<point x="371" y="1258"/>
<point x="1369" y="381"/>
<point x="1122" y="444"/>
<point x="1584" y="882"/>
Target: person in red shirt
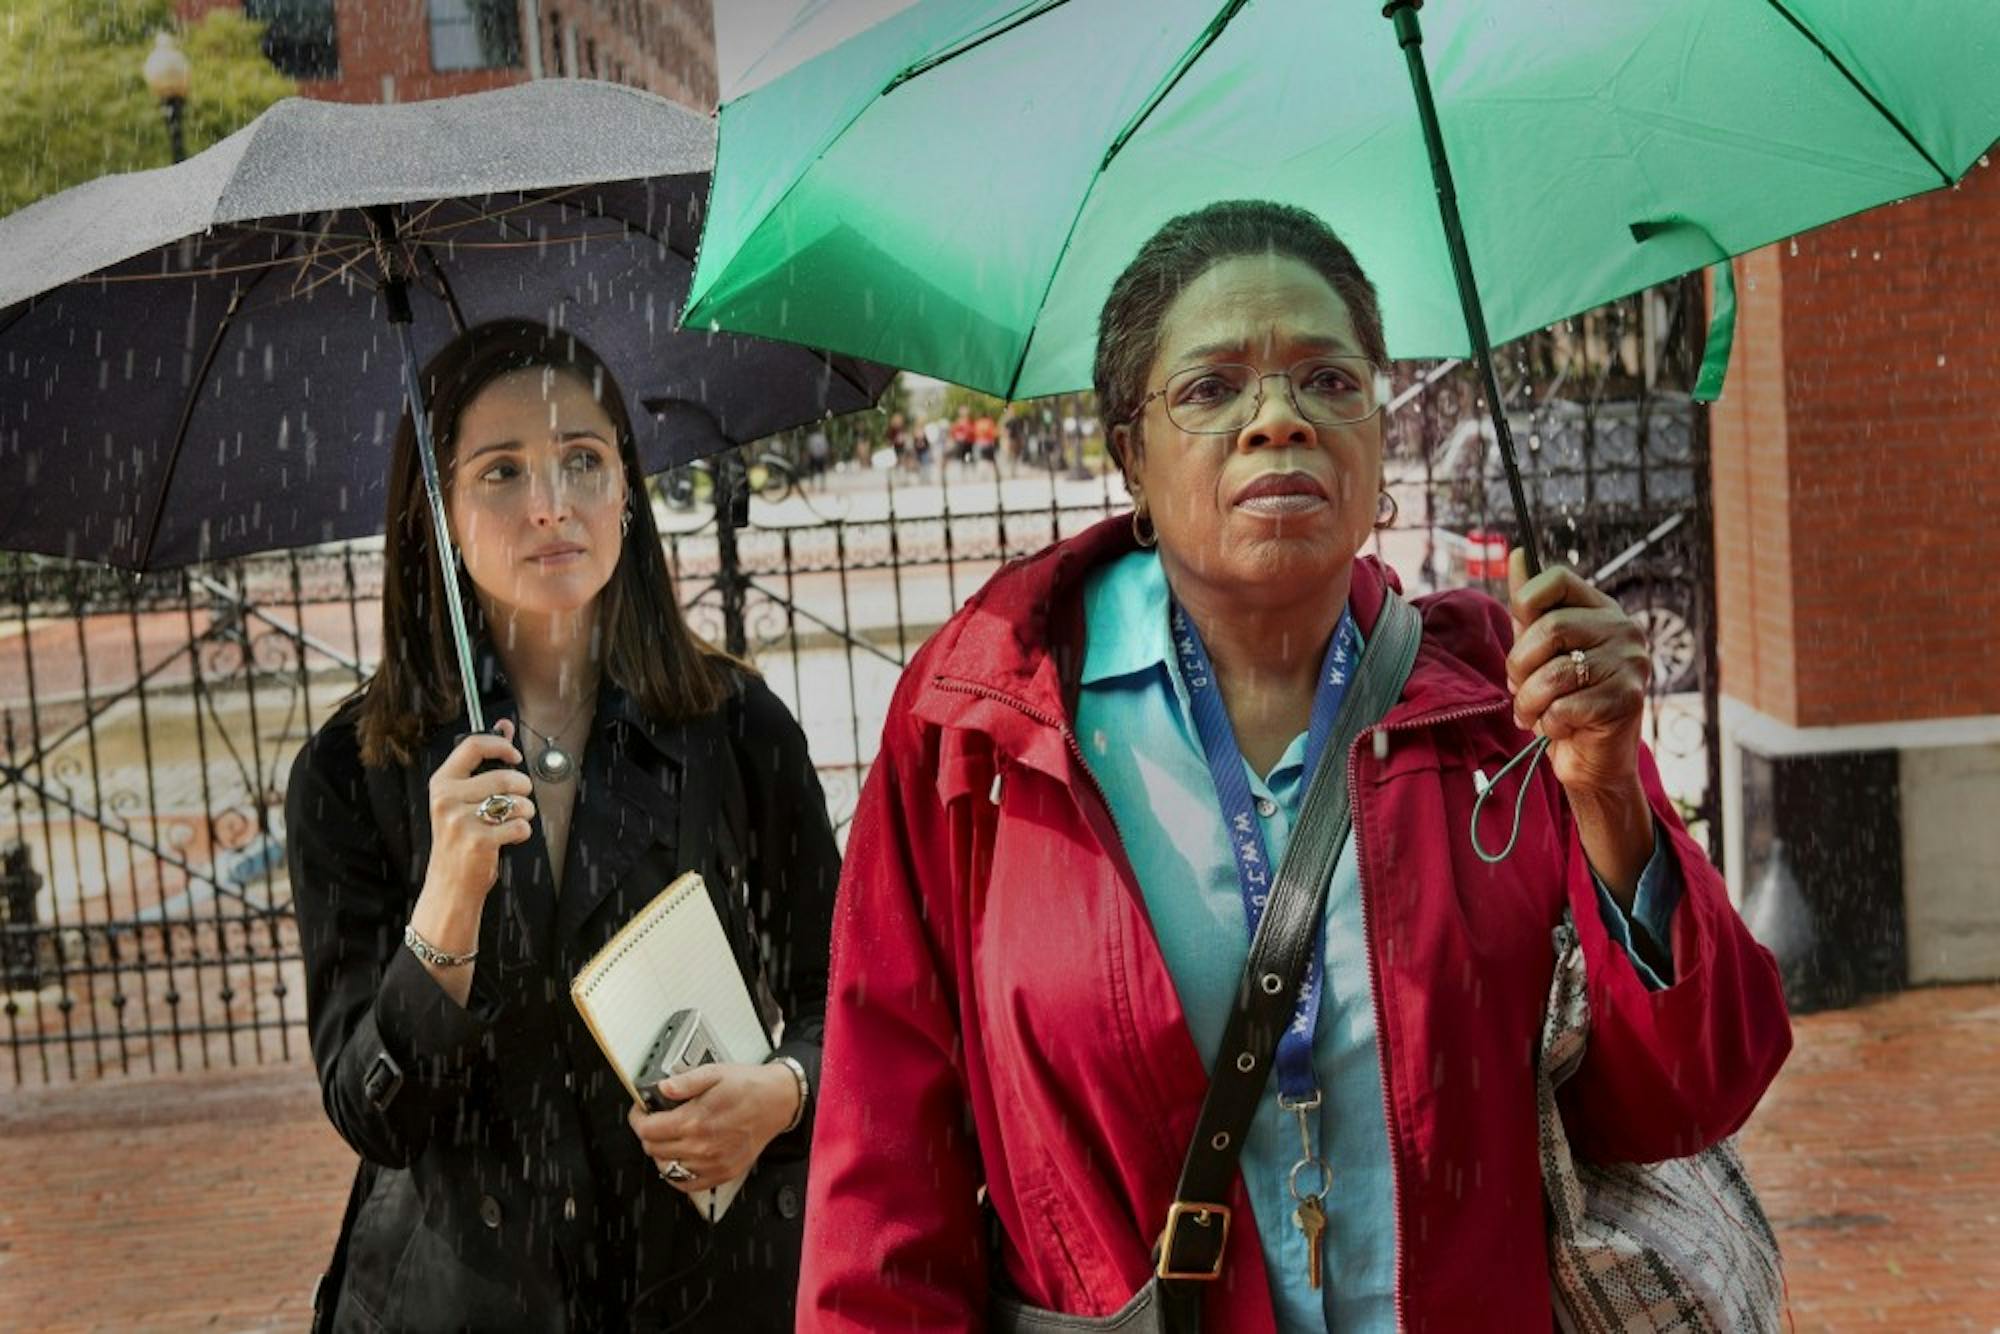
<point x="986" y="439"/>
<point x="961" y="437"/>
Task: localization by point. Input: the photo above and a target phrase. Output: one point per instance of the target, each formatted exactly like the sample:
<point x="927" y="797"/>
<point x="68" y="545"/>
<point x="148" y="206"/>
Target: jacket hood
<point x="1011" y="657"/>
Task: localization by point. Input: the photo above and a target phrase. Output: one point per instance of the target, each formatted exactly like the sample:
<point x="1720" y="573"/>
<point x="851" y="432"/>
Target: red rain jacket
<point x="1001" y="1014"/>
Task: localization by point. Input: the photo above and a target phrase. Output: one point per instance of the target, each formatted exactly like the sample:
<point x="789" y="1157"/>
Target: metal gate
<point x="147" y="725"/>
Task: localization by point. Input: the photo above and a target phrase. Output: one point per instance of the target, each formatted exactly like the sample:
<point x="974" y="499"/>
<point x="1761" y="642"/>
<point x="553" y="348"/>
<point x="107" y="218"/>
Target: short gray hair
<point x="1128" y="328"/>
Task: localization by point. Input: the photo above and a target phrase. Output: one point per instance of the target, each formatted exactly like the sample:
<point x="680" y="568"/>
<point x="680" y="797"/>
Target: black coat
<point x="501" y="1187"/>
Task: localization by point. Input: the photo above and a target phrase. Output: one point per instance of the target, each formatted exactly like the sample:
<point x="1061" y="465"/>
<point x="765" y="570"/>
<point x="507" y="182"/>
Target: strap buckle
<point x="383" y="1081"/>
<point x="1204" y="1216"/>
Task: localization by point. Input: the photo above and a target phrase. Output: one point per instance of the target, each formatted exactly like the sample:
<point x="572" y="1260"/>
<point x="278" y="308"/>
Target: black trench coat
<point x="501" y="1187"/>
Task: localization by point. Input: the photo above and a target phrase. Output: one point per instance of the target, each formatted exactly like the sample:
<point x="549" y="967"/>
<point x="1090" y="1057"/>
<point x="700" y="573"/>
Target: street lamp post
<point x="167" y="74"/>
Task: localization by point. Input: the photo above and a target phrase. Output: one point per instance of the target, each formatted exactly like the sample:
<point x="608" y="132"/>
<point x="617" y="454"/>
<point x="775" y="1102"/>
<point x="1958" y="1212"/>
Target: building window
<point x="298" y="36"/>
<point x="475" y="34"/>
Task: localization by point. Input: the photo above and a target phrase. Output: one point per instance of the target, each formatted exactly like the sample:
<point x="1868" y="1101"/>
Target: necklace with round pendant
<point x="552" y="763"/>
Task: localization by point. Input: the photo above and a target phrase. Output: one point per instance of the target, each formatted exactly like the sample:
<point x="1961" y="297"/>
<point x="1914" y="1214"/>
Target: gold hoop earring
<point x="1386" y="520"/>
<point x="1146" y="536"/>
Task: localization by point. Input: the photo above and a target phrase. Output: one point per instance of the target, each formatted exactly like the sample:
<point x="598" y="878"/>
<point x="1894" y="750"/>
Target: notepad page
<point x="673" y="956"/>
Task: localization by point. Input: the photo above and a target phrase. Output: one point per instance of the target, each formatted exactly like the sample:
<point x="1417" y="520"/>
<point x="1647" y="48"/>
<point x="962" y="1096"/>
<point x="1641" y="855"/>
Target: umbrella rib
<point x="1861" y="88"/>
<point x="1167" y="85"/>
<point x="444" y="287"/>
<point x="321" y="255"/>
<point x="1026" y="14"/>
<point x="1195" y="52"/>
<point x="256" y="266"/>
<point x="529" y="200"/>
<point x="298" y="233"/>
<point x="236" y="300"/>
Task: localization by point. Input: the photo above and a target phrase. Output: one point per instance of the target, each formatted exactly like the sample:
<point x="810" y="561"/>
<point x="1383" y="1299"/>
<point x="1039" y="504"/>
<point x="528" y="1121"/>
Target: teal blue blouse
<point x="1139" y="740"/>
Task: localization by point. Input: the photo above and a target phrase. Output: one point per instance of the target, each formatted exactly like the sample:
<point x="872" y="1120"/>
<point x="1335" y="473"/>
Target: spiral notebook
<point x="672" y="956"/>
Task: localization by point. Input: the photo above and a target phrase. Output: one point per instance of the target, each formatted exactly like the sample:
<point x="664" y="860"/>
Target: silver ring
<point x="675" y="1172"/>
<point x="1317" y="1165"/>
<point x="495" y="809"/>
<point x="1580" y="664"/>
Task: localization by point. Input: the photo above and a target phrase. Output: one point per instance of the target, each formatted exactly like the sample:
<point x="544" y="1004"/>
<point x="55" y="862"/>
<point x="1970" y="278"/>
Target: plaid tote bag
<point x="1680" y="1245"/>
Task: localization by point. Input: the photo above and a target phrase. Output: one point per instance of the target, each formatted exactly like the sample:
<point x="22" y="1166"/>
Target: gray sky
<point x="757" y="40"/>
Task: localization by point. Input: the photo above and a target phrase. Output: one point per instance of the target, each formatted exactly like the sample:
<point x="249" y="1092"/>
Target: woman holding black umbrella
<point x="448" y="887"/>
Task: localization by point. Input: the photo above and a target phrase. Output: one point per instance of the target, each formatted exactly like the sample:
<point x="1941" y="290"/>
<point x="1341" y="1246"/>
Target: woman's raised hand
<point x="465" y="845"/>
<point x="1578" y="672"/>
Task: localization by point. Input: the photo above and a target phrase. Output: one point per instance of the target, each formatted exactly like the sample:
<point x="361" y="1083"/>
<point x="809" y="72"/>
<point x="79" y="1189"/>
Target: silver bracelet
<point x="431" y="954"/>
<point x="805" y="1089"/>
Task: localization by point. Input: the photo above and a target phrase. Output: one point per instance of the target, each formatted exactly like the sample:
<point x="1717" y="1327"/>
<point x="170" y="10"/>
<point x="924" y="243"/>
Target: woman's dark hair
<point x="648" y="649"/>
<point x="1128" y="328"/>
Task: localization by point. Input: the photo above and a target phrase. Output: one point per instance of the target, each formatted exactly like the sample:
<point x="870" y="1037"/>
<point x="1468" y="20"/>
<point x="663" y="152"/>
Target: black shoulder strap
<point x="1197" y="1225"/>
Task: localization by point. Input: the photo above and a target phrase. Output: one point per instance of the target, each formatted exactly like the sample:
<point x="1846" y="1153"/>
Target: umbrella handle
<point x="396" y="295"/>
<point x="1410" y="36"/>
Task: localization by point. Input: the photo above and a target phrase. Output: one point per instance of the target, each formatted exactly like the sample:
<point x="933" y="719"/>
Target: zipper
<point x="1375" y="974"/>
<point x="956" y="686"/>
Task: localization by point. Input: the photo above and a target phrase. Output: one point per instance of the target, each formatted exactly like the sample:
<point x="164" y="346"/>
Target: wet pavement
<point x="210" y="1200"/>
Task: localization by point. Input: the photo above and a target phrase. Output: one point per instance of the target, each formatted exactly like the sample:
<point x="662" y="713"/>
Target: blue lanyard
<point x="1254" y="870"/>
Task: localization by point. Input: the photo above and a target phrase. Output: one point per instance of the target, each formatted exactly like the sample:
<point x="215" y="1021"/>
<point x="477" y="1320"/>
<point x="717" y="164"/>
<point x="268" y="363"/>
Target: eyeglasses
<point x="1223" y="398"/>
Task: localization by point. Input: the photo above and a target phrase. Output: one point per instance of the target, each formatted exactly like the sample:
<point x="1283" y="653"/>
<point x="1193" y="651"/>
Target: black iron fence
<point x="147" y="724"/>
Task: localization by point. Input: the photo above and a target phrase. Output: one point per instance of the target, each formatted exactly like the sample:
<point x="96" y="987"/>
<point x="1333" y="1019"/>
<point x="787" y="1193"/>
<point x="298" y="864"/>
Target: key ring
<point x="1325" y="1179"/>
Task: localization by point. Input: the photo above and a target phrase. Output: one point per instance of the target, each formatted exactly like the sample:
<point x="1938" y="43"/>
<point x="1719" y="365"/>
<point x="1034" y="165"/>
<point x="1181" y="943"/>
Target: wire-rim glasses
<point x="1221" y="398"/>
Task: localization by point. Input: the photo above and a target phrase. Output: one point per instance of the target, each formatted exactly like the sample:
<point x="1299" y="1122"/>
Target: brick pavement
<point x="209" y="1201"/>
<point x="1877" y="1154"/>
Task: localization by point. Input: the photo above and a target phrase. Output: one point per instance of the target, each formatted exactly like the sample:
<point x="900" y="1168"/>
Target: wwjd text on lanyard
<point x="1298" y="1085"/>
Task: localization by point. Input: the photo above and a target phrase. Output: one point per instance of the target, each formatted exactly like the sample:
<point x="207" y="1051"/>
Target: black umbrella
<point x="209" y="359"/>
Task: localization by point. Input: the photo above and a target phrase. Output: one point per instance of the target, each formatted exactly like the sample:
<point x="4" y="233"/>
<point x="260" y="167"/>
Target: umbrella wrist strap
<point x="1533" y="755"/>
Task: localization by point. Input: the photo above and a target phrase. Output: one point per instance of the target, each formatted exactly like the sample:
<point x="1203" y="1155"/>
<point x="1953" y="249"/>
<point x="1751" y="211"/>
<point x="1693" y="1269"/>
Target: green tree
<point x="77" y="105"/>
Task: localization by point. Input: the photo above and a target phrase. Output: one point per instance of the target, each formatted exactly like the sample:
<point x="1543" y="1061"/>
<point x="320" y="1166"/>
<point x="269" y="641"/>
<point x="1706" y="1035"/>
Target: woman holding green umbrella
<point x="448" y="887"/>
<point x="1063" y="856"/>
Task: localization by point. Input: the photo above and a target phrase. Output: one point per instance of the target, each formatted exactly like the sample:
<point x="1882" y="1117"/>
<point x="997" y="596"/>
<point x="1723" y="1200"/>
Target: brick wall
<point x="666" y="46"/>
<point x="1753" y="523"/>
<point x="1857" y="467"/>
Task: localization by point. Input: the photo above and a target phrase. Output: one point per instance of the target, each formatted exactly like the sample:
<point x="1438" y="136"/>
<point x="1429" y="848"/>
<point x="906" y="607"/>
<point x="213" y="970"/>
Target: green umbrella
<point x="954" y="189"/>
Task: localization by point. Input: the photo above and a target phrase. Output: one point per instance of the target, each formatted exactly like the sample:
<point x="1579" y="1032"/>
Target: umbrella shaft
<point x="440" y="532"/>
<point x="1409" y="35"/>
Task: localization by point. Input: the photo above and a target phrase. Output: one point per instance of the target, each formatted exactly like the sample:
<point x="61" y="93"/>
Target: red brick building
<point x="1857" y="514"/>
<point x="410" y="50"/>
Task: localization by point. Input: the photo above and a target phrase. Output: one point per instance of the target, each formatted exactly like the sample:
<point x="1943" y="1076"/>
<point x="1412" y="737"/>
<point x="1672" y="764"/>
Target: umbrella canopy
<point x="1012" y="157"/>
<point x="197" y="362"/>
